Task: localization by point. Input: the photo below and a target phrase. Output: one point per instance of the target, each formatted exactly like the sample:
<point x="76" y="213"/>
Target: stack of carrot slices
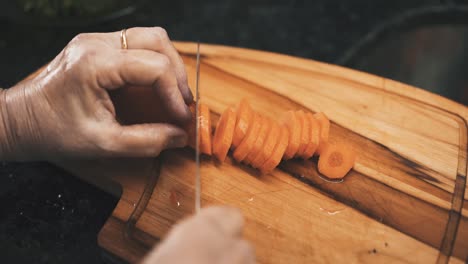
<point x="262" y="143"/>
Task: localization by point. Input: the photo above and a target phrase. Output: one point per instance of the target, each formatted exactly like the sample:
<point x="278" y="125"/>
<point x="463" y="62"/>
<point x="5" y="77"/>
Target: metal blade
<point x="197" y="133"/>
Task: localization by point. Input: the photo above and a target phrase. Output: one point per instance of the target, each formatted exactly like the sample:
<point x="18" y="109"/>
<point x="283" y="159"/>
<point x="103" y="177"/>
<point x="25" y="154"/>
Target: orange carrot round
<point x="294" y="129"/>
<point x="204" y="128"/>
<point x="268" y="146"/>
<point x="204" y="123"/>
<point x="280" y="148"/>
<point x="314" y="136"/>
<point x="244" y="119"/>
<point x="324" y="131"/>
<point x="305" y="132"/>
<point x="191" y="127"/>
<point x="247" y="143"/>
<point x="262" y="135"/>
<point x="336" y="160"/>
<point x="223" y="134"/>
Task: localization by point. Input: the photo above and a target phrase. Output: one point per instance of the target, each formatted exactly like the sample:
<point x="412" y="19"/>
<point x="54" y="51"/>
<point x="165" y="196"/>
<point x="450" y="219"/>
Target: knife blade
<point x="197" y="135"/>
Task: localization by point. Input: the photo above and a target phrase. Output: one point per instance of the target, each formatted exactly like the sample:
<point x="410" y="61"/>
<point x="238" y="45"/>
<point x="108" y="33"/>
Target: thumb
<point x="146" y="140"/>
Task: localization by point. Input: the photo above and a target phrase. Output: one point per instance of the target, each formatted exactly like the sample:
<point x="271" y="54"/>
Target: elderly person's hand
<point x="66" y="110"/>
<point x="212" y="236"/>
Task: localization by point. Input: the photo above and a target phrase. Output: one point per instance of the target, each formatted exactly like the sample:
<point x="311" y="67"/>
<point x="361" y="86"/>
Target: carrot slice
<point x="268" y="146"/>
<point x="262" y="135"/>
<point x="314" y="136"/>
<point x="223" y="134"/>
<point x="305" y="132"/>
<point x="336" y="160"/>
<point x="244" y="119"/>
<point x="249" y="140"/>
<point x="204" y="126"/>
<point x="191" y="127"/>
<point x="324" y="131"/>
<point x="294" y="129"/>
<point x="280" y="148"/>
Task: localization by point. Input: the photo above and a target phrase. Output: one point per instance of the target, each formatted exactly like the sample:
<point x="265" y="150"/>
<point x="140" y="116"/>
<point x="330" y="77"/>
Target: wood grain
<point x="403" y="202"/>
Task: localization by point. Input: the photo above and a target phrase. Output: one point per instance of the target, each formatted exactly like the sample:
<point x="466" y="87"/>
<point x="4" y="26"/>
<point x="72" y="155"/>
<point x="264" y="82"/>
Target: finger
<point x="227" y="220"/>
<point x="241" y="252"/>
<point x="157" y="39"/>
<point x="146" y="68"/>
<point x="145" y="140"/>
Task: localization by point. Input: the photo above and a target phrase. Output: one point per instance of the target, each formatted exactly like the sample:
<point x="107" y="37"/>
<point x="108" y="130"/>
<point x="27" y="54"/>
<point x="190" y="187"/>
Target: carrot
<point x="262" y="135"/>
<point x="204" y="126"/>
<point x="305" y="132"/>
<point x="223" y="134"/>
<point x="314" y="136"/>
<point x="336" y="160"/>
<point x="244" y="119"/>
<point x="294" y="129"/>
<point x="280" y="148"/>
<point x="268" y="146"/>
<point x="247" y="143"/>
<point x="190" y="128"/>
<point x="324" y="131"/>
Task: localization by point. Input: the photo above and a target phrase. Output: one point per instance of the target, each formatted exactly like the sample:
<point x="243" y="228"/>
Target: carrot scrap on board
<point x="336" y="160"/>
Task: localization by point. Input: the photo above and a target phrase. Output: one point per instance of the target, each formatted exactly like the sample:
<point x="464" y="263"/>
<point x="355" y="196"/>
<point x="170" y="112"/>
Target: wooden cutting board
<point x="405" y="200"/>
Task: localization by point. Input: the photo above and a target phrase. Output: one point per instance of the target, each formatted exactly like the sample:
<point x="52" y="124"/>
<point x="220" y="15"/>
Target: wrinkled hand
<point x="66" y="110"/>
<point x="212" y="236"/>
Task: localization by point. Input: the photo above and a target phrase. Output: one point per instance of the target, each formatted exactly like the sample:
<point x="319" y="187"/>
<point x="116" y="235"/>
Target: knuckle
<point x="80" y="38"/>
<point x="78" y="54"/>
<point x="154" y="151"/>
<point x="161" y="33"/>
<point x="108" y="144"/>
<point x="164" y="63"/>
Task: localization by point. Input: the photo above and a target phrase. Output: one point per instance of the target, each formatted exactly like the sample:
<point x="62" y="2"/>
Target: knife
<point x="197" y="136"/>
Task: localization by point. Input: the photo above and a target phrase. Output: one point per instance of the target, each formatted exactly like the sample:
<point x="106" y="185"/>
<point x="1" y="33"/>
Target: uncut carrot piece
<point x="223" y="134"/>
<point x="268" y="146"/>
<point x="324" y="131"/>
<point x="244" y="115"/>
<point x="336" y="160"/>
<point x="190" y="128"/>
<point x="278" y="152"/>
<point x="204" y="128"/>
<point x="314" y="136"/>
<point x="262" y="135"/>
<point x="294" y="128"/>
<point x="247" y="143"/>
<point x="305" y="131"/>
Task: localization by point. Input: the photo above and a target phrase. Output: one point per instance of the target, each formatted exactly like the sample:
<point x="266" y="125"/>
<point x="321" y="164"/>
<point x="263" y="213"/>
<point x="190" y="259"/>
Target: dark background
<point x="48" y="216"/>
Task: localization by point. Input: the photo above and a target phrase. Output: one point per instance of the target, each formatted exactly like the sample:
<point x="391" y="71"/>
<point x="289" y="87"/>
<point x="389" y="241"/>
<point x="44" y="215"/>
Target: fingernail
<point x="178" y="140"/>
